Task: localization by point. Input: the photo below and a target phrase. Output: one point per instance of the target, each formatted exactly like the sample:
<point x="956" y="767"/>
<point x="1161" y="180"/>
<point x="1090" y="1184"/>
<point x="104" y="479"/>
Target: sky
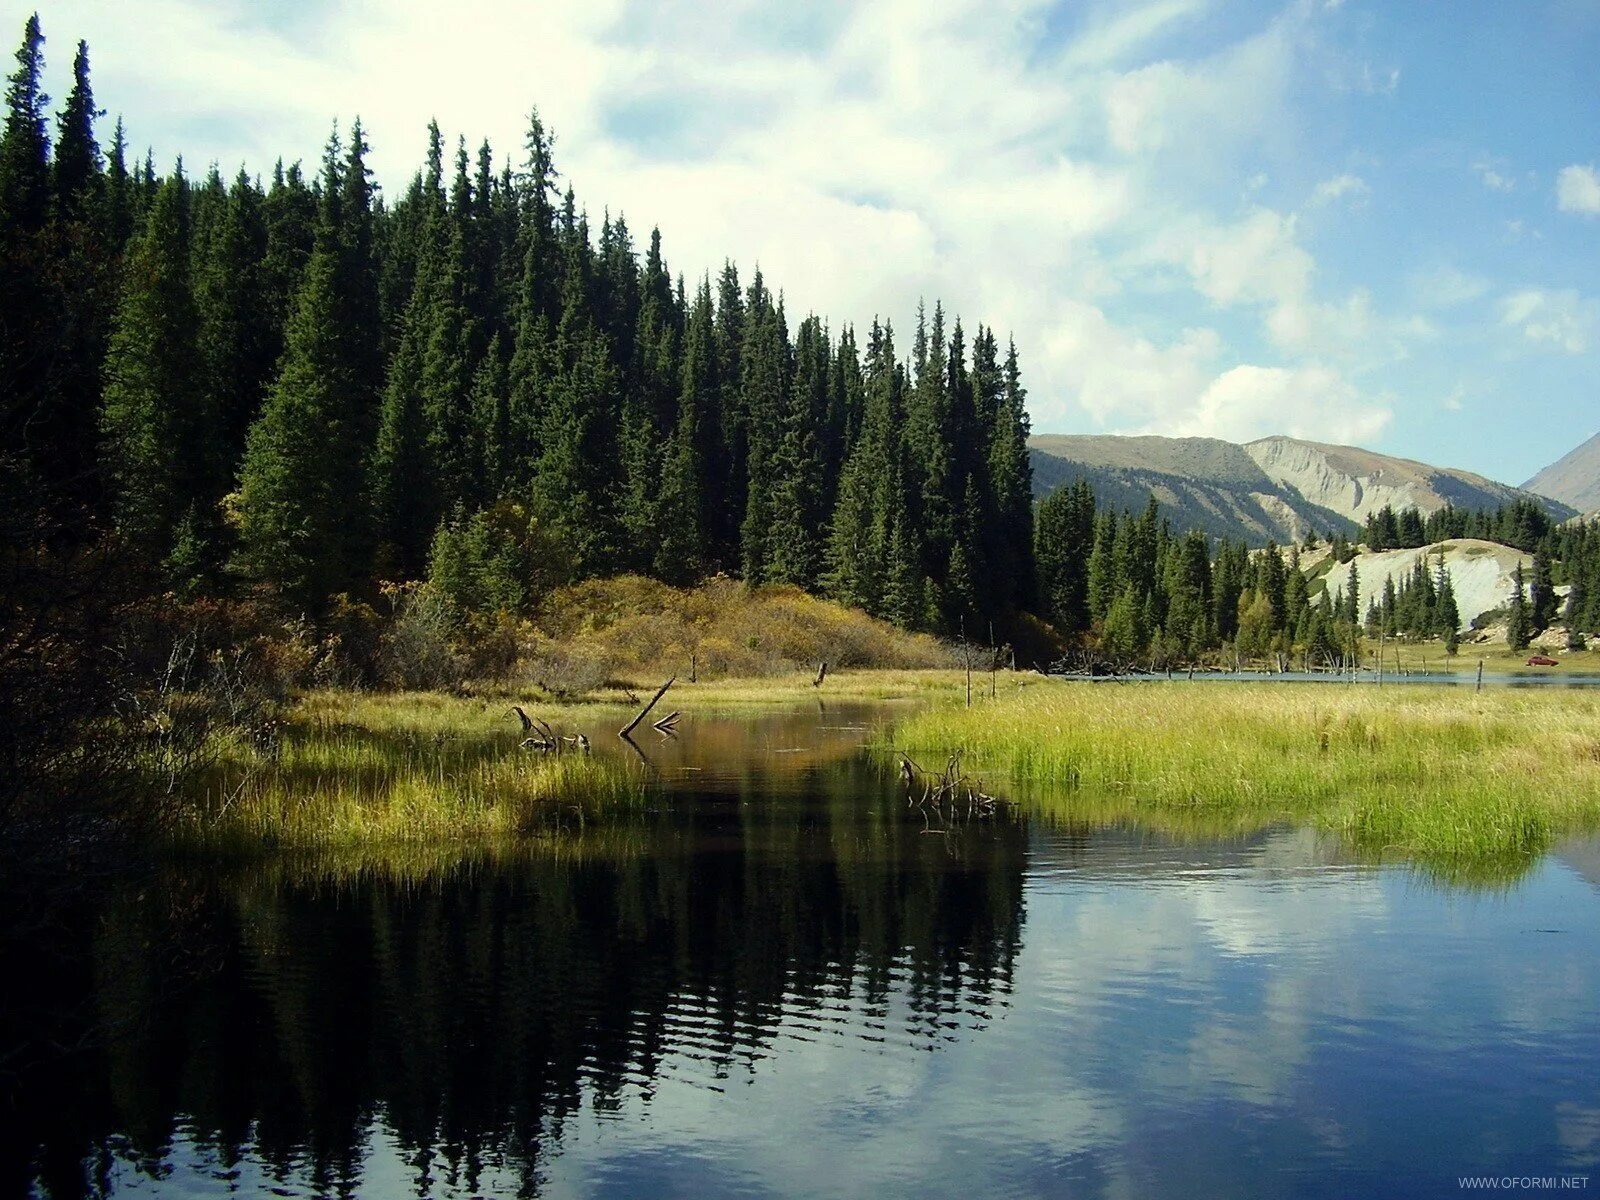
<point x="1357" y="221"/>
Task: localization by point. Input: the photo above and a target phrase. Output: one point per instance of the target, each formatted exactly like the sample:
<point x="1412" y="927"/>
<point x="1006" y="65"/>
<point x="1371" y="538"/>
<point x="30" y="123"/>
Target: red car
<point x="1539" y="660"/>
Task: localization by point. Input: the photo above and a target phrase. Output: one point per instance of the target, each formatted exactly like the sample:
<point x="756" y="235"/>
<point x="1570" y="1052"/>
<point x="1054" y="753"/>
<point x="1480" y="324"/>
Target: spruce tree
<point x="300" y="515"/>
<point x="1519" y="630"/>
<point x="683" y="550"/>
<point x="25" y="144"/>
<point x="1542" y="599"/>
<point x="77" y="168"/>
<point x="153" y="423"/>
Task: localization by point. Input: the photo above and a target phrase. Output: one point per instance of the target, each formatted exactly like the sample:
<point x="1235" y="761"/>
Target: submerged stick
<point x="634" y="724"/>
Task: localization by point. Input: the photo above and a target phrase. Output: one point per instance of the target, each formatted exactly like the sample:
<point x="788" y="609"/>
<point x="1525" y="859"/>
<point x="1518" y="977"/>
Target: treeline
<point x="1157" y="597"/>
<point x="301" y="388"/>
<point x="1422" y="606"/>
<point x="1521" y="524"/>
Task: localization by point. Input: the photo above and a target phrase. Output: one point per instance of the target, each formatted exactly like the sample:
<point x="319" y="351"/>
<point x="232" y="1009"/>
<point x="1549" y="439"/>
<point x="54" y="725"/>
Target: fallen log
<point x="643" y="712"/>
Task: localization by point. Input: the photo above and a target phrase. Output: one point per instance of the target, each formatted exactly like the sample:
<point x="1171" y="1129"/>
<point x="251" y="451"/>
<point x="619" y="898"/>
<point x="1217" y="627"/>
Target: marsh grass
<point x="367" y="769"/>
<point x="359" y="770"/>
<point x="1432" y="774"/>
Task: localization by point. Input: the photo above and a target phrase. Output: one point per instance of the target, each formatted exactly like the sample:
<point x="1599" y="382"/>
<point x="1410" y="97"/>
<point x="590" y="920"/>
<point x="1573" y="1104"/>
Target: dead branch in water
<point x="951" y="792"/>
<point x="643" y="712"/>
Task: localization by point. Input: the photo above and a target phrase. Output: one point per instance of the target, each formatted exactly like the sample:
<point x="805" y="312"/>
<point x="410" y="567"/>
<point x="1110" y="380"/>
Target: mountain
<point x="1277" y="487"/>
<point x="1574" y="479"/>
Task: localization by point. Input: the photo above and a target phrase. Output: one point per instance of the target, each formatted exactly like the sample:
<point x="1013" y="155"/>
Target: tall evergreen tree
<point x="77" y="168"/>
<point x="301" y="482"/>
<point x="1519" y="628"/>
<point x="154" y="424"/>
<point x="25" y="144"/>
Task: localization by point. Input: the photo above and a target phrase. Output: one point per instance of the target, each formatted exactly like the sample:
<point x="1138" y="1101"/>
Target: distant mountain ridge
<point x="1572" y="479"/>
<point x="1276" y="488"/>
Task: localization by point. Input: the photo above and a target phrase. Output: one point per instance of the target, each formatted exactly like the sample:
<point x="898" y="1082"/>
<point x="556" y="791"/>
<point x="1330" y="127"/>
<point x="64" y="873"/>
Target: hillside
<point x="1357" y="483"/>
<point x="1200" y="483"/>
<point x="1480" y="573"/>
<point x="1276" y="487"/>
<point x="1574" y="479"/>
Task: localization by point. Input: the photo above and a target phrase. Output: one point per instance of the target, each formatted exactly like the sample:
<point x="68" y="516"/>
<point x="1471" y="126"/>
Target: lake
<point x="783" y="981"/>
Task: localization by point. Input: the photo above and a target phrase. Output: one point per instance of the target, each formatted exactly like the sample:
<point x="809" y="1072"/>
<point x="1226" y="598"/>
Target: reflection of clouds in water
<point x="1578" y="1130"/>
<point x="884" y="1117"/>
<point x="1254" y="1054"/>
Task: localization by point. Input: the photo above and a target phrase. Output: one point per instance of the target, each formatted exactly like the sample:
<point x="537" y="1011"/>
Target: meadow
<point x="1440" y="774"/>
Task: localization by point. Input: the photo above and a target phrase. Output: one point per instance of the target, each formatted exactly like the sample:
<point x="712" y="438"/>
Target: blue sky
<point x="1343" y="219"/>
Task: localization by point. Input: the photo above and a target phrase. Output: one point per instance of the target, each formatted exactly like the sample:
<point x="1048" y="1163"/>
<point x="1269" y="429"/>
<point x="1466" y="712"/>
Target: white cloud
<point x="1312" y="401"/>
<point x="1341" y="186"/>
<point x="1578" y="190"/>
<point x="1560" y="319"/>
<point x="1489" y="171"/>
<point x="1447" y="287"/>
<point x="1118" y="34"/>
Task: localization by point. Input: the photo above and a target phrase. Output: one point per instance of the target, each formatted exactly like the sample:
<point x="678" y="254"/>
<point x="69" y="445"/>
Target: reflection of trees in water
<point x="474" y="1009"/>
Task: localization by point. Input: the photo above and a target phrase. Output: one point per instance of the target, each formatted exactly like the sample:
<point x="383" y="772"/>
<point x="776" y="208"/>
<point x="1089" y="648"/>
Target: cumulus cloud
<point x="1447" y="287"/>
<point x="1578" y="190"/>
<point x="1557" y="319"/>
<point x="1313" y="401"/>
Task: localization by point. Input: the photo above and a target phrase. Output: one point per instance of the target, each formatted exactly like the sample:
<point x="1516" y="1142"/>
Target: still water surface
<point x="777" y="984"/>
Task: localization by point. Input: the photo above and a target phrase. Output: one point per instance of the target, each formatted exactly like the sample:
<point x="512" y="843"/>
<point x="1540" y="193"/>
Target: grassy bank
<point x="352" y="769"/>
<point x="363" y="769"/>
<point x="1428" y="773"/>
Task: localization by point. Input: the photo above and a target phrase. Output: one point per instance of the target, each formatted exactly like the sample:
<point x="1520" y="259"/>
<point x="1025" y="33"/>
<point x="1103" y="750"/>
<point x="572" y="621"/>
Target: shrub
<point x="417" y="650"/>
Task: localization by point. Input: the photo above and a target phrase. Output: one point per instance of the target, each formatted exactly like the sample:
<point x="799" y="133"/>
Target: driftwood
<point x="949" y="793"/>
<point x="643" y="712"/>
<point x="668" y="725"/>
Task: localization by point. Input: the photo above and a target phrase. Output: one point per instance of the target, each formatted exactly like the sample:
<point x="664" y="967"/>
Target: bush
<point x="641" y="627"/>
<point x="417" y="651"/>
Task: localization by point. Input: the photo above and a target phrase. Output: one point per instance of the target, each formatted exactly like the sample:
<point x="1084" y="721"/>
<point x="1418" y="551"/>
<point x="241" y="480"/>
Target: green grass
<point x="1433" y="774"/>
<point x="362" y="770"/>
<point x="367" y="769"/>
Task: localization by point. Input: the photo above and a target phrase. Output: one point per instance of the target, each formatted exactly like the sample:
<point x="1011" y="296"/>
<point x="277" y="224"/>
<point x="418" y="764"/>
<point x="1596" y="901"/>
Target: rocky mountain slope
<point x="1573" y="479"/>
<point x="1276" y="487"/>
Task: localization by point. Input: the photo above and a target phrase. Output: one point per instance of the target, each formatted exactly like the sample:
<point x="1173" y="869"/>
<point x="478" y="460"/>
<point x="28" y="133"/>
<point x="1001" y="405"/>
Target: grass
<point x="1433" y="774"/>
<point x="367" y="769"/>
<point x="1497" y="657"/>
<point x="353" y="770"/>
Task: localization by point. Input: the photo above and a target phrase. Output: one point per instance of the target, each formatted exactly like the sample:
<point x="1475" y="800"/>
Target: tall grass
<point x="1412" y="771"/>
<point x="353" y="770"/>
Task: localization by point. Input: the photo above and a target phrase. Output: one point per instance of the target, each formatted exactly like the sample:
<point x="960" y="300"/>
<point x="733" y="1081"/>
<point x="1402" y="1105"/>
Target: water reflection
<point x="775" y="983"/>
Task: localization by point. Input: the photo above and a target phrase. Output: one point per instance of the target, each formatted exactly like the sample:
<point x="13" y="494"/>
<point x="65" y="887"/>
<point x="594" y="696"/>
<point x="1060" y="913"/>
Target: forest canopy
<point x="295" y="383"/>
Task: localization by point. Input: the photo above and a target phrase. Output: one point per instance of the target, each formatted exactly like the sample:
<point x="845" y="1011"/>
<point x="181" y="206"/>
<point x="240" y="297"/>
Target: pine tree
<point x="1010" y="475"/>
<point x="25" y="144"/>
<point x="1519" y="630"/>
<point x="77" y="168"/>
<point x="1574" y="613"/>
<point x="1446" y="613"/>
<point x="301" y="482"/>
<point x="1063" y="540"/>
<point x="236" y="345"/>
<point x="684" y="548"/>
<point x="1542" y="598"/>
<point x="795" y="544"/>
<point x="153" y="422"/>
